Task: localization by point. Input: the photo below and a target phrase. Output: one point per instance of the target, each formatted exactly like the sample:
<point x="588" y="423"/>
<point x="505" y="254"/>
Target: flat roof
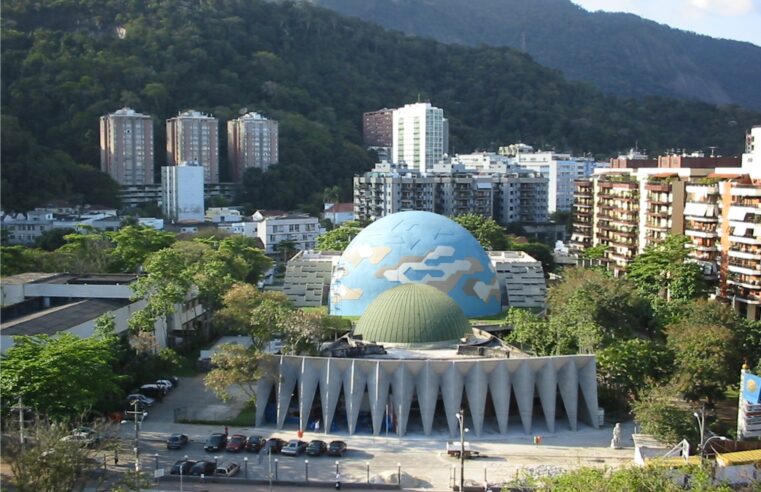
<point x="739" y="458"/>
<point x="61" y="318"/>
<point x="90" y="279"/>
<point x="27" y="278"/>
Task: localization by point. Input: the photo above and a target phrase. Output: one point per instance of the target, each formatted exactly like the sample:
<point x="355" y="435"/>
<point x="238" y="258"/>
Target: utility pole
<point x="20" y="408"/>
<point x="135" y="403"/>
<point x="461" y="419"/>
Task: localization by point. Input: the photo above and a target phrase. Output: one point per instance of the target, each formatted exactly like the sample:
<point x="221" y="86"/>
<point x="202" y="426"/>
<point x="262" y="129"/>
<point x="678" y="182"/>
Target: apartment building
<point x="420" y="136"/>
<point x="448" y="189"/>
<point x="182" y="192"/>
<point x="192" y="136"/>
<point x="252" y="142"/>
<point x="377" y="128"/>
<point x="126" y="147"/>
<point x="301" y="229"/>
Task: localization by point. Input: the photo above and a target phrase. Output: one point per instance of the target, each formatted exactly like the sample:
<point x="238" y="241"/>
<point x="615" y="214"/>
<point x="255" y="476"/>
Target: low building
<point x="53" y="303"/>
<point x="521" y="279"/>
<point x="220" y="215"/>
<point x="338" y="213"/>
<point x="300" y="229"/>
<point x="26" y="228"/>
<point x="307" y="277"/>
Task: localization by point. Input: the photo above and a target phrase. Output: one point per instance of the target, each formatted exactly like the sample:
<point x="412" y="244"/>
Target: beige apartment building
<point x="193" y="136"/>
<point x="714" y="201"/>
<point x="252" y="142"/>
<point x="126" y="147"/>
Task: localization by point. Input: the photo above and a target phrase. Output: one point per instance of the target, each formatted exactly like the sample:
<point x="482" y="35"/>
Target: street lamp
<point x="461" y="419"/>
<point x="399" y="474"/>
<point x="245" y="464"/>
<point x="306" y="470"/>
<point x="701" y="418"/>
<point x="337" y="462"/>
<point x="135" y="413"/>
<point x="275" y="469"/>
<point x="367" y="464"/>
<point x="703" y="446"/>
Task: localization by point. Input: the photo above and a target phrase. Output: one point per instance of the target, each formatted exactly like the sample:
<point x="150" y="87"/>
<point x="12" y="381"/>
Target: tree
<point x="531" y="332"/>
<point x="55" y="375"/>
<point x="52" y="239"/>
<point x="485" y="230"/>
<point x="286" y="248"/>
<point x="338" y="239"/>
<point x="660" y="413"/>
<point x="234" y="365"/>
<point x="86" y="252"/>
<point x="540" y="252"/>
<point x="133" y="244"/>
<point x="703" y="359"/>
<point x="303" y="331"/>
<point x="594" y="252"/>
<point x="46" y="461"/>
<point x="248" y="311"/>
<point x="18" y="259"/>
<point x="624" y="368"/>
<point x="663" y="270"/>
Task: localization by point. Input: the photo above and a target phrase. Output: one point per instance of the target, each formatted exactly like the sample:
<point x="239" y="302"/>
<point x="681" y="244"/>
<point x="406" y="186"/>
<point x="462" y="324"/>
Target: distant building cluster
<point x="715" y="201"/>
<point x="417" y="173"/>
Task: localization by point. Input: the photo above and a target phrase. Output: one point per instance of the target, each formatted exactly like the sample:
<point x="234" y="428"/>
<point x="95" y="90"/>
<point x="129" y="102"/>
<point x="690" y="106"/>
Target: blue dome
<point x="414" y="247"/>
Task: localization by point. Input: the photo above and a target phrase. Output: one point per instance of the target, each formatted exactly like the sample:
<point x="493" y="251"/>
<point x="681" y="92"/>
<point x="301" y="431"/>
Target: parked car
<point x="294" y="447"/>
<point x="182" y="467"/>
<point x="274" y="445"/>
<point x="203" y="467"/>
<point x="177" y="441"/>
<point x="144" y="400"/>
<point x="165" y="384"/>
<point x="316" y="448"/>
<point x="216" y="442"/>
<point x="336" y="448"/>
<point x="236" y="443"/>
<point x="84" y="436"/>
<point x="153" y="391"/>
<point x="255" y="443"/>
<point x="227" y="469"/>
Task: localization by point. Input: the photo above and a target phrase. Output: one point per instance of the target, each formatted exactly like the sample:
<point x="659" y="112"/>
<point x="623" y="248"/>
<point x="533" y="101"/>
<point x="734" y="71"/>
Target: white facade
<point x="182" y="192"/>
<point x="192" y="136"/>
<point x="751" y="160"/>
<point x="27" y="228"/>
<point x="419" y="134"/>
<point x="301" y="229"/>
<point x="561" y="170"/>
<point x="252" y="142"/>
<point x="219" y="215"/>
<point x="126" y="147"/>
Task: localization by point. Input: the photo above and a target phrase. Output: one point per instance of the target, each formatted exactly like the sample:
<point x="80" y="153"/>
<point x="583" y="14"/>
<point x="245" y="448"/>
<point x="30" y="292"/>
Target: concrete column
<point x="377" y="390"/>
<point x="523" y="386"/>
<point x="588" y="384"/>
<point x="403" y="385"/>
<point x="568" y="384"/>
<point x="499" y="386"/>
<point x="451" y="393"/>
<point x="475" y="388"/>
<point x="308" y="378"/>
<point x="331" y="376"/>
<point x="354" y="390"/>
<point x="427" y="395"/>
<point x="262" y="390"/>
<point x="546" y="385"/>
<point x="289" y="375"/>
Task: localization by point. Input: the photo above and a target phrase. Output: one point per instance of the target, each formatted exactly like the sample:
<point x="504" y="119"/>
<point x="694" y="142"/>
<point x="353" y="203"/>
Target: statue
<point x="615" y="443"/>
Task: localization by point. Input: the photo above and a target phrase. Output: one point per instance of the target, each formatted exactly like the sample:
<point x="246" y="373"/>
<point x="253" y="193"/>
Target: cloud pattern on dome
<point x="415" y="247"/>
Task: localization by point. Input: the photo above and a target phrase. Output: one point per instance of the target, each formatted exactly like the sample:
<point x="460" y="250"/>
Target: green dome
<point x="413" y="315"/>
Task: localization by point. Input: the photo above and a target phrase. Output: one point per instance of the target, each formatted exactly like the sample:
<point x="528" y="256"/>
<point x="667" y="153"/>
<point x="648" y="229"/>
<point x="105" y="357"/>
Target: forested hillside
<point x="66" y="62"/>
<point x="620" y="53"/>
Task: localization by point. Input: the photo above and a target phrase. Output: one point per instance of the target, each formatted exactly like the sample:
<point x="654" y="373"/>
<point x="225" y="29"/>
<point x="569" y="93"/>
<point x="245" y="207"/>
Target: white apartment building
<point x="182" y="192"/>
<point x="301" y="229"/>
<point x="26" y="228"/>
<point x="420" y="136"/>
<point x="126" y="147"/>
<point x="220" y="215"/>
<point x="252" y="142"/>
<point x="192" y="136"/>
<point x="450" y="190"/>
<point x="560" y="169"/>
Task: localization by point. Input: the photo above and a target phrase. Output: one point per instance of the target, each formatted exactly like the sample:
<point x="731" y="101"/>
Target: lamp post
<point x="703" y="446"/>
<point x="136" y="448"/>
<point x="245" y="466"/>
<point x="399" y="474"/>
<point x="156" y="462"/>
<point x="337" y="462"/>
<point x="461" y="419"/>
<point x="701" y="418"/>
<point x="306" y="470"/>
<point x="182" y="466"/>
<point x="276" y="469"/>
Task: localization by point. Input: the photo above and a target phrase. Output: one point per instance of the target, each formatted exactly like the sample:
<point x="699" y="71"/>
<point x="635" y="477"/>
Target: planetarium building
<point x="413" y="361"/>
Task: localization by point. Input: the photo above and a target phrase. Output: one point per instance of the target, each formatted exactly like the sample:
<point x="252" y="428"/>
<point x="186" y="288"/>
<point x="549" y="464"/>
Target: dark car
<point x="151" y="391"/>
<point x="255" y="443"/>
<point x="216" y="442"/>
<point x="182" y="467"/>
<point x="177" y="441"/>
<point x="294" y="447"/>
<point x="336" y="448"/>
<point x="274" y="445"/>
<point x="203" y="467"/>
<point x="236" y="444"/>
<point x="316" y="448"/>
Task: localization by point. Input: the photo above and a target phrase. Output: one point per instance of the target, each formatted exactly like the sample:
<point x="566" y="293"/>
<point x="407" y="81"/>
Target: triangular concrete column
<point x="451" y="393"/>
<point x="427" y="395"/>
<point x="499" y="386"/>
<point x="546" y="386"/>
<point x="309" y="377"/>
<point x="289" y="376"/>
<point x="354" y="389"/>
<point x="377" y="390"/>
<point x="331" y="377"/>
<point x="523" y="386"/>
<point x="568" y="384"/>
<point x="475" y="388"/>
<point x="403" y="385"/>
<point x="588" y="384"/>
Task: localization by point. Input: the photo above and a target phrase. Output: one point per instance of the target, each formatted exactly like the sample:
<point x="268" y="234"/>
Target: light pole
<point x="703" y="446"/>
<point x="269" y="457"/>
<point x="701" y="418"/>
<point x="461" y="419"/>
<point x="306" y="470"/>
<point x="135" y="413"/>
<point x="337" y="462"/>
<point x="367" y="464"/>
<point x="245" y="464"/>
<point x="399" y="474"/>
<point x="156" y="463"/>
<point x="182" y="466"/>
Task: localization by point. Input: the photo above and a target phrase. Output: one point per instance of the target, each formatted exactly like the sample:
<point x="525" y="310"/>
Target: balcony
<point x="750" y="295"/>
<point x="658" y="186"/>
<point x="744" y="270"/>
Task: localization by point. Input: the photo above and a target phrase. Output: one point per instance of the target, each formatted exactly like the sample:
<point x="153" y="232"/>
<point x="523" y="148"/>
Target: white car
<point x="227" y="469"/>
<point x="165" y="383"/>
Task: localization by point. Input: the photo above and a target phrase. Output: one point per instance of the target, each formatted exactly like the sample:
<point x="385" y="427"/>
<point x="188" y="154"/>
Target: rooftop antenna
<point x="713" y="150"/>
<point x="418" y="97"/>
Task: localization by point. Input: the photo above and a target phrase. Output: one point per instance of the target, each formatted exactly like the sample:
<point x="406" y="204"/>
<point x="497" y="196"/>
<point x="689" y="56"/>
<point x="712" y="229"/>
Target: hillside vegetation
<point x="620" y="53"/>
<point x="66" y="62"/>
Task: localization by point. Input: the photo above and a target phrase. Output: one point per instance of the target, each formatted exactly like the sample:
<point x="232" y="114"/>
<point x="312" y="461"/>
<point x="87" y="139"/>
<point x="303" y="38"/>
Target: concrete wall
<point x="459" y="383"/>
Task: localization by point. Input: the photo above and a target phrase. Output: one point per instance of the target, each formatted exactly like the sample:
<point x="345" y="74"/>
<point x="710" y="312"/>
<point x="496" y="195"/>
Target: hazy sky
<point x="732" y="19"/>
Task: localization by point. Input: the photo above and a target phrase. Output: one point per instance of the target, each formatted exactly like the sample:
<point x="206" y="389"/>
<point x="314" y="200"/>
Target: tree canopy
<point x="339" y="238"/>
<point x="485" y="229"/>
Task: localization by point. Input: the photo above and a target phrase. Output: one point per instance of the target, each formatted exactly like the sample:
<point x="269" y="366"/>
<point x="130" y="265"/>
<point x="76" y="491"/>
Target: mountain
<point x="67" y="62"/>
<point x="619" y="53"/>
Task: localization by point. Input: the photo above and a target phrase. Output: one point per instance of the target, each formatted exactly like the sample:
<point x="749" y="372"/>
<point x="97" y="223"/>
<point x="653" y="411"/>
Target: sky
<point x="730" y="19"/>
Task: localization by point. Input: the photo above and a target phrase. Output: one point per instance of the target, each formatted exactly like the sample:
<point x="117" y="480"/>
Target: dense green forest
<point x="620" y="53"/>
<point x="66" y="62"/>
